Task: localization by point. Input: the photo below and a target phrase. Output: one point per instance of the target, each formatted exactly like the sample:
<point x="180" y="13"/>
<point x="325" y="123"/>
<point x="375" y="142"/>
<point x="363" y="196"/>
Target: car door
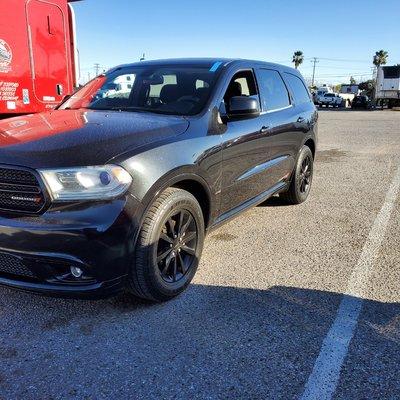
<point x="281" y="123"/>
<point x="243" y="147"/>
<point x="304" y="114"/>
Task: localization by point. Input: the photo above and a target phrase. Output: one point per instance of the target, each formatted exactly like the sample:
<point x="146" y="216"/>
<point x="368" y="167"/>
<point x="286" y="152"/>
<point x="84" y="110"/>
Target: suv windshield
<point x="178" y="90"/>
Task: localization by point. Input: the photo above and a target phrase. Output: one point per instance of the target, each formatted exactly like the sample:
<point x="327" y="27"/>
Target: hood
<point x="65" y="138"/>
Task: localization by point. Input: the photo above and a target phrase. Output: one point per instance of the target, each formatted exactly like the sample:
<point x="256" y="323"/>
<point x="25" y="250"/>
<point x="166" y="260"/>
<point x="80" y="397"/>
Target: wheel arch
<point x="199" y="191"/>
<point x="311" y="144"/>
<point x="190" y="181"/>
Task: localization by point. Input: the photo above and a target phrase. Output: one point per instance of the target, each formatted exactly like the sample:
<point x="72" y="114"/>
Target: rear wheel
<point x="168" y="248"/>
<point x="300" y="185"/>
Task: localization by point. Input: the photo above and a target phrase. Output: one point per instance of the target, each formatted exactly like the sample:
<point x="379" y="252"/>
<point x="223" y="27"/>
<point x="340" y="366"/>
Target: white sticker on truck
<point x="6" y="56"/>
<point x="11" y="105"/>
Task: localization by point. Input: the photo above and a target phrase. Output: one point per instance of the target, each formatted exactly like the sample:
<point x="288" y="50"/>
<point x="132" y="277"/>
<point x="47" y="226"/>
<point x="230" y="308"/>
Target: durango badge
<point x="5" y="56"/>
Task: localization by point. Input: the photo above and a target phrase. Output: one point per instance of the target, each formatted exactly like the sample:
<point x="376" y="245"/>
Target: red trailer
<point x="38" y="55"/>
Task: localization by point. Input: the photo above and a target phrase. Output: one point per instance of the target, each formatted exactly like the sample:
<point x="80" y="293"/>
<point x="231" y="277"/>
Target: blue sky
<point x="343" y="34"/>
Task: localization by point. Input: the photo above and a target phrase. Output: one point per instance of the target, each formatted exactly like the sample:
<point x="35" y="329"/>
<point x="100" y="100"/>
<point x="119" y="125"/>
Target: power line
<point x="344" y="60"/>
<point x="343" y="75"/>
<point x="334" y="67"/>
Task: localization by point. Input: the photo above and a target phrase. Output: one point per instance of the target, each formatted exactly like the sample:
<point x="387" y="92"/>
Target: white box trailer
<point x="388" y="86"/>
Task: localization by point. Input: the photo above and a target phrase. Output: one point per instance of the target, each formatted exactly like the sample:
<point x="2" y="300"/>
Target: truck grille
<point x="20" y="191"/>
<point x="12" y="265"/>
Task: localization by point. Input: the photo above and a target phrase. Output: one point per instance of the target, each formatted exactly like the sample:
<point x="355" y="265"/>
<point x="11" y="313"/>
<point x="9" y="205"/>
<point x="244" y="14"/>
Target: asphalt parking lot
<point x="264" y="308"/>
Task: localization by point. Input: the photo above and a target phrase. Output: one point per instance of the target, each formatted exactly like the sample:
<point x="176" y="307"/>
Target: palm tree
<point x="380" y="58"/>
<point x="298" y="58"/>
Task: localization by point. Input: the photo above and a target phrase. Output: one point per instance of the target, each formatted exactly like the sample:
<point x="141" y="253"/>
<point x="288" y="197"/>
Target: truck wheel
<point x="168" y="248"/>
<point x="300" y="185"/>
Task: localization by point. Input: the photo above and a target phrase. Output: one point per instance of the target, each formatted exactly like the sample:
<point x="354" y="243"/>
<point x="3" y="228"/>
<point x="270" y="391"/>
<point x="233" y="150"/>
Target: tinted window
<point x="273" y="91"/>
<point x="155" y="90"/>
<point x="242" y="84"/>
<point x="300" y="92"/>
<point x="163" y="89"/>
<point x="391" y="72"/>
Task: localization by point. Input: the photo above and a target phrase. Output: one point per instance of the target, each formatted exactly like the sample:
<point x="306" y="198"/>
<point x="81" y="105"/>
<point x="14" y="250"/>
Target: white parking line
<point x="322" y="382"/>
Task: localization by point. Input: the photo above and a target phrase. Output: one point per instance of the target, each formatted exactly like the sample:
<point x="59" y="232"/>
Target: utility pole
<point x="88" y="75"/>
<point x="314" y="61"/>
<point x="97" y="68"/>
<point x="143" y="57"/>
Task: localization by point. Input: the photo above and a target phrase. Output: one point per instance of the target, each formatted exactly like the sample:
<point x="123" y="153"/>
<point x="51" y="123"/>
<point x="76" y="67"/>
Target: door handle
<point x="300" y="120"/>
<point x="264" y="129"/>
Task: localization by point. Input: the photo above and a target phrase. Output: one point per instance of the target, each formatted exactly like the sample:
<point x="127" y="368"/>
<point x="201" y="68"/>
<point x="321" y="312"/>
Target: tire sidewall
<point x="304" y="152"/>
<point x="147" y="245"/>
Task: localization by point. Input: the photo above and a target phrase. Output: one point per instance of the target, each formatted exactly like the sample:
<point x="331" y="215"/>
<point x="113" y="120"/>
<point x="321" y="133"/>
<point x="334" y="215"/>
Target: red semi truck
<point x="38" y="56"/>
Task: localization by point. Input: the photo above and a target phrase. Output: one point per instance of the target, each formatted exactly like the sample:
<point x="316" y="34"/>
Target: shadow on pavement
<point x="211" y="342"/>
<point x="274" y="201"/>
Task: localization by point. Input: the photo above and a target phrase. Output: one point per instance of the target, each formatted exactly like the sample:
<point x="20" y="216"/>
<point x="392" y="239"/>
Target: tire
<point x="164" y="262"/>
<point x="300" y="184"/>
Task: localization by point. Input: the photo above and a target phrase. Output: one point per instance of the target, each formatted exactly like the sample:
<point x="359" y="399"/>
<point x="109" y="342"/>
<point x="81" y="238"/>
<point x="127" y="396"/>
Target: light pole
<point x="314" y="61"/>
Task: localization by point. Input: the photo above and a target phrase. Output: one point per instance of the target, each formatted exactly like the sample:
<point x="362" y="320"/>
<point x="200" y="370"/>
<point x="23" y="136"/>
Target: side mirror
<point x="243" y="107"/>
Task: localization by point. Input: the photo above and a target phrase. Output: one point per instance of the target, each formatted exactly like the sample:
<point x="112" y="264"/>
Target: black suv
<point x="117" y="188"/>
<point x="361" y="102"/>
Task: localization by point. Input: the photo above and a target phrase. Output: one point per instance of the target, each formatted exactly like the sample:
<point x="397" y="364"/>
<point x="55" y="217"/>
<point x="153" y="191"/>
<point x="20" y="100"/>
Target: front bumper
<point x="36" y="253"/>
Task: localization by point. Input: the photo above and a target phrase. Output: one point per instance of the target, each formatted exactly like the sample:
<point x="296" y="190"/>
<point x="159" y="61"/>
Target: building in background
<point x="349" y="89"/>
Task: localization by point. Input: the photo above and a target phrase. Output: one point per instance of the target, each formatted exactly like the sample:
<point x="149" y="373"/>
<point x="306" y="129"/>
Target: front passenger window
<point x="242" y="84"/>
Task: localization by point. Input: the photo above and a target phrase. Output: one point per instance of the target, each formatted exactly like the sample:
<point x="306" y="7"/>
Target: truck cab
<point x="38" y="56"/>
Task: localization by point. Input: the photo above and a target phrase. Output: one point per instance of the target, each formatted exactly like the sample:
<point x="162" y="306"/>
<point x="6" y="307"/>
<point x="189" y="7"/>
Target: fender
<point x="184" y="173"/>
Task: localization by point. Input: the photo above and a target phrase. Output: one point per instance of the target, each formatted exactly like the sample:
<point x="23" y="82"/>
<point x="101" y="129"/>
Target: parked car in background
<point x="114" y="192"/>
<point x="321" y="91"/>
<point x="330" y="99"/>
<point x="362" y="102"/>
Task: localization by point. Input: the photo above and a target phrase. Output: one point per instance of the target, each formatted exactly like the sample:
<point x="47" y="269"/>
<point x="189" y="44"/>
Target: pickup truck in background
<point x="330" y="99"/>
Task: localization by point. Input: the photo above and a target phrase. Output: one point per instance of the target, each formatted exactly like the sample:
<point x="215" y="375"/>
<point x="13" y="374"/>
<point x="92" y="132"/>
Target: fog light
<point x="76" y="272"/>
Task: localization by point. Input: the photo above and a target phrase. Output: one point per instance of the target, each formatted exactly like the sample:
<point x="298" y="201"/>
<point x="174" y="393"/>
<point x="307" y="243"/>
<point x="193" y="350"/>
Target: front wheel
<point x="168" y="248"/>
<point x="300" y="185"/>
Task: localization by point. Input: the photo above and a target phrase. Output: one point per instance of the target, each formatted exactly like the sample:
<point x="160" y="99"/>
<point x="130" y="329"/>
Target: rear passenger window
<point x="300" y="92"/>
<point x="273" y="90"/>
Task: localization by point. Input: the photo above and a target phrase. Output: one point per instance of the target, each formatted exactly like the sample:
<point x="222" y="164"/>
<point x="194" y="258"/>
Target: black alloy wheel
<point x="305" y="175"/>
<point x="177" y="243"/>
<point x="300" y="184"/>
<point x="168" y="248"/>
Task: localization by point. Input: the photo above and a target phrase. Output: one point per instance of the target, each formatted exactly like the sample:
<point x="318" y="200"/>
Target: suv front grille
<point x="12" y="265"/>
<point x="20" y="191"/>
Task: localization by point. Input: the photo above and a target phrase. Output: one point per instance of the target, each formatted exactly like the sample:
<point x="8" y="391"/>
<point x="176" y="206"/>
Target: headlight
<point x="86" y="183"/>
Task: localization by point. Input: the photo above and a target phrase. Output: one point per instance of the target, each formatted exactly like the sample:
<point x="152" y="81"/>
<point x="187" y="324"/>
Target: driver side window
<point x="242" y="84"/>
